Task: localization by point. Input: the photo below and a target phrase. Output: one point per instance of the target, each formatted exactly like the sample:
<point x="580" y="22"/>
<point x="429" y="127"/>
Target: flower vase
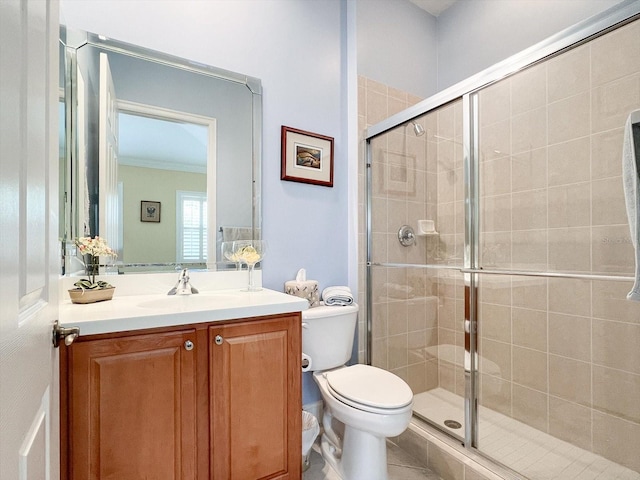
<point x="89" y="290"/>
<point x="79" y="295"/>
<point x="250" y="252"/>
<point x="92" y="265"/>
<point x="252" y="286"/>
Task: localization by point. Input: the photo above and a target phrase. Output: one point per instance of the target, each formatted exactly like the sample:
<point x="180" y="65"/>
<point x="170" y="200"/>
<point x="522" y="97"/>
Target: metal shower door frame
<point x="468" y="90"/>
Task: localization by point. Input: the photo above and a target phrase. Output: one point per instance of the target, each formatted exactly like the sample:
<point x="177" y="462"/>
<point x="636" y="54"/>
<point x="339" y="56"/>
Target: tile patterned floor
<point x="401" y="466"/>
<point x="532" y="453"/>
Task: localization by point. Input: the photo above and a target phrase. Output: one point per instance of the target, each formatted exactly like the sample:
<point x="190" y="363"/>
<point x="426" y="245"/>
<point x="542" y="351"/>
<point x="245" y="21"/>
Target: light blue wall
<point x="397" y="45"/>
<point x="473" y="35"/>
<point x="299" y="48"/>
<point x="295" y="48"/>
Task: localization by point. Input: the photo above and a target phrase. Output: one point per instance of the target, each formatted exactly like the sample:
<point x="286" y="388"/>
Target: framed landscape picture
<point x="306" y="157"/>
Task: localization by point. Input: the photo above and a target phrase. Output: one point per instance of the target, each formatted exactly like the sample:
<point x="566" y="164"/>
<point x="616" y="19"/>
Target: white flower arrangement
<point x="94" y="248"/>
<point x="248" y="254"/>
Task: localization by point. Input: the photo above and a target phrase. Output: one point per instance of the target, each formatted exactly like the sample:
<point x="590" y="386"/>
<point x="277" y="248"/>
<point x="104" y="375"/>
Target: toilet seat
<point x="369" y="388"/>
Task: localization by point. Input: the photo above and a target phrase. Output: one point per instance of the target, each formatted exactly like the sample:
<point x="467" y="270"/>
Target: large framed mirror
<point x="162" y="158"/>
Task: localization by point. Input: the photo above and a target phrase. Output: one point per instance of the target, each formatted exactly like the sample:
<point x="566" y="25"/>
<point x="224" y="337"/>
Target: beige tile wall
<point x="414" y="178"/>
<point x="559" y="354"/>
<point x="567" y="350"/>
<point x="404" y="320"/>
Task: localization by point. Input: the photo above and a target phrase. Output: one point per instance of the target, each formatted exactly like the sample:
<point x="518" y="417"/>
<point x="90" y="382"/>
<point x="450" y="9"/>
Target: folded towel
<point x="230" y="234"/>
<point x="338" y="295"/>
<point x="631" y="180"/>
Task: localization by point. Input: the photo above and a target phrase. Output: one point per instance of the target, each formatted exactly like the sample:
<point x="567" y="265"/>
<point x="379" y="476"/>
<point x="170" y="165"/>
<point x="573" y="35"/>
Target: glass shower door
<point x="417" y="291"/>
<point x="557" y="340"/>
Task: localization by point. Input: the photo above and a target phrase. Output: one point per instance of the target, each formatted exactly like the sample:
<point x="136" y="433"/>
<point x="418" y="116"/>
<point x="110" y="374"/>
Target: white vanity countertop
<point x="137" y="304"/>
<point x="138" y="312"/>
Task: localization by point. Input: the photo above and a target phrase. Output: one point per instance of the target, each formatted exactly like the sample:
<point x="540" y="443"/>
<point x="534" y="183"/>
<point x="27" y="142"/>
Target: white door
<point x="29" y="252"/>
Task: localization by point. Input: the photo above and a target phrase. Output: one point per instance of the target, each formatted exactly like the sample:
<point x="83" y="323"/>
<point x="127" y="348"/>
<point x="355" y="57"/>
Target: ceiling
<point x="158" y="143"/>
<point x="434" y="7"/>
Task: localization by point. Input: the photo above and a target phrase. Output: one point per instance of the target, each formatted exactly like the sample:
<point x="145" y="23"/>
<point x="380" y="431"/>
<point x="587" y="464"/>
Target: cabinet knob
<point x="219" y="340"/>
<point x="188" y="345"/>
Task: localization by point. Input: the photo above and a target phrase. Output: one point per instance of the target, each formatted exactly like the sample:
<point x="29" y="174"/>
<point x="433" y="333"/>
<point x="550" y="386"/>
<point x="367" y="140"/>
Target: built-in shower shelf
<point x="426" y="228"/>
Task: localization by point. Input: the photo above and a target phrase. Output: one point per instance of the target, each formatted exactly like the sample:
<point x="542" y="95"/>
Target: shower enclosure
<point x="506" y="311"/>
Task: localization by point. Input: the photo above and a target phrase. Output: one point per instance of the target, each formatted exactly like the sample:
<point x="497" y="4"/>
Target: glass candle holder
<point x="250" y="252"/>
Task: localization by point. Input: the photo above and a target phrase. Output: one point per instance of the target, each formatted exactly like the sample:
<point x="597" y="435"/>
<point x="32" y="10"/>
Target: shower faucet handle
<point x="406" y="236"/>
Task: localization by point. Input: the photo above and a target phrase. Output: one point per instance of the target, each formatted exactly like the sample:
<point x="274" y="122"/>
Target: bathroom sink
<point x="196" y="301"/>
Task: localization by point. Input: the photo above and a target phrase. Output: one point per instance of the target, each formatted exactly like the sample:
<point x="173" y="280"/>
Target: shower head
<point x="417" y="128"/>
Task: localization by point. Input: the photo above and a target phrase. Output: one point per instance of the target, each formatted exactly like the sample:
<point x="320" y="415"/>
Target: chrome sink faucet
<point x="183" y="287"/>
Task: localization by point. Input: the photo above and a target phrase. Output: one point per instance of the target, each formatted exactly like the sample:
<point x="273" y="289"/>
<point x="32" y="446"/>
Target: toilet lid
<point x="370" y="386"/>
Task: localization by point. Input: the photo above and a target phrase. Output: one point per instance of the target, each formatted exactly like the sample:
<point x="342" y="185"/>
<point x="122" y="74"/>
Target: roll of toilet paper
<point x="306" y="362"/>
<point x="303" y="288"/>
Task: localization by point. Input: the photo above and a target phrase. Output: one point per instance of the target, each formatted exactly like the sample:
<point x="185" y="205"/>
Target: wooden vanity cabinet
<point x="218" y="400"/>
<point x="255" y="399"/>
<point x="132" y="407"/>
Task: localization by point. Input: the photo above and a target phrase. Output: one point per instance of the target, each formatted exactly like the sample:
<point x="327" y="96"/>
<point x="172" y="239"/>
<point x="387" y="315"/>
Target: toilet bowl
<point x="363" y="405"/>
<point x="358" y="449"/>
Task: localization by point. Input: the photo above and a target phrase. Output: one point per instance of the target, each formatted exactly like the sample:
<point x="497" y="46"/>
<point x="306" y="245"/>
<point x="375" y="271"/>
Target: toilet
<point x="363" y="405"/>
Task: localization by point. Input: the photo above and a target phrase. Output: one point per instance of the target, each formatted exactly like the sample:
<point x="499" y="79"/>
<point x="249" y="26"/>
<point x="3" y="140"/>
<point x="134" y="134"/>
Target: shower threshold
<point x="532" y="453"/>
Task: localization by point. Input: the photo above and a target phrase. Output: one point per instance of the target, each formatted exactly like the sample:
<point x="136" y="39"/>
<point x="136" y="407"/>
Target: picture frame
<point x="306" y="157"/>
<point x="149" y="211"/>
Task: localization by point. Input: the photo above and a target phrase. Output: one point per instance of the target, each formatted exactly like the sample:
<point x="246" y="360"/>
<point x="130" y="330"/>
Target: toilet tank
<point x="327" y="335"/>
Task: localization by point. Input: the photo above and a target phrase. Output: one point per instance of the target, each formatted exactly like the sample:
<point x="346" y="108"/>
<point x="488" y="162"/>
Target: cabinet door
<point x="256" y="405"/>
<point x="132" y="408"/>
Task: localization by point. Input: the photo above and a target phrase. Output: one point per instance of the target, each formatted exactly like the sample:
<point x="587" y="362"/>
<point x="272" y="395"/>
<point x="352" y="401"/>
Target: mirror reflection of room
<point x="149" y="130"/>
<point x="175" y="155"/>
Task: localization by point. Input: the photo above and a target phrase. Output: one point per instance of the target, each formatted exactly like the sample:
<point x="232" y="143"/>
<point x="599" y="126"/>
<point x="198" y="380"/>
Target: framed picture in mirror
<point x="306" y="157"/>
<point x="149" y="211"/>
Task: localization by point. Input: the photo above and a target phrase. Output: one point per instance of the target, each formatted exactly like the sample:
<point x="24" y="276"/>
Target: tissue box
<point x="307" y="289"/>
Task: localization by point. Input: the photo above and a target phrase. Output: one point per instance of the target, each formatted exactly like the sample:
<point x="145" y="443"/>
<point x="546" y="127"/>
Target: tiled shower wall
<point x="376" y="102"/>
<point x="559" y="354"/>
<point x="409" y="175"/>
<point x="562" y="355"/>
